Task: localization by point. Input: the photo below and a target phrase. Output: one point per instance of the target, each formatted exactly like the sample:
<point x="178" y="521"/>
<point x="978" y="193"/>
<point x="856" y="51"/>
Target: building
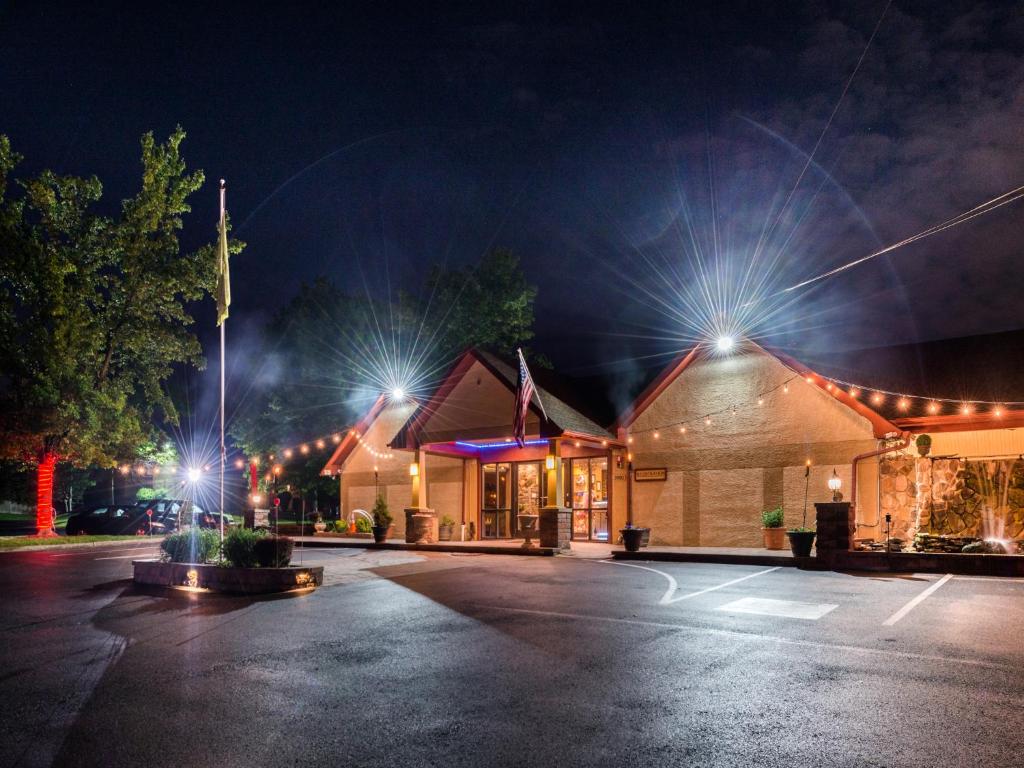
<point x="711" y="441"/>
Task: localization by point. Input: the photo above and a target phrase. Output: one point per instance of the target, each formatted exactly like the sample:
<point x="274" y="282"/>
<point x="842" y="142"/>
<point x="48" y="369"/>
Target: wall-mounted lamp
<point x="549" y="462"/>
<point x="414" y="469"/>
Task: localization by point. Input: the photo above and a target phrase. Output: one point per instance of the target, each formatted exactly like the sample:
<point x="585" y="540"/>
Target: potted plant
<point x="318" y="524"/>
<point x="631" y="537"/>
<point x="924" y="444"/>
<point x="444" y="529"/>
<point x="771" y="528"/>
<point x="381" y="520"/>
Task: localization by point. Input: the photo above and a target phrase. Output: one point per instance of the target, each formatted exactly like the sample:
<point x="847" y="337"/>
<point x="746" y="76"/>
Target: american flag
<point x="524" y="394"/>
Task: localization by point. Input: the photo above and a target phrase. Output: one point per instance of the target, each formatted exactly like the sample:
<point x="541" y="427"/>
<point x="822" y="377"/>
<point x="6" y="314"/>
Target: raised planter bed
<point x="930" y="562"/>
<point x="336" y="535"/>
<point x="242" y="581"/>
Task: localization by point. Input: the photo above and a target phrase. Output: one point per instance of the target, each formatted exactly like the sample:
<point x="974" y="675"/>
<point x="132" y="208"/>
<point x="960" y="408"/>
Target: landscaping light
<point x="835" y="483"/>
<point x="725" y="343"/>
<point x="194" y="473"/>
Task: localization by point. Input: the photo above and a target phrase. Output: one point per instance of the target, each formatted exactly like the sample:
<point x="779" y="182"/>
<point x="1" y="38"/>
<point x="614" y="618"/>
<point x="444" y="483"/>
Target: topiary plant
<point x="772" y="518"/>
<point x="924" y="444"/>
<point x="381" y="515"/>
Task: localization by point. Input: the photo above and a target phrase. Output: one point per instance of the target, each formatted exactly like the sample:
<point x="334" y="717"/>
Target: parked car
<point x="107" y="519"/>
<point x="155" y="517"/>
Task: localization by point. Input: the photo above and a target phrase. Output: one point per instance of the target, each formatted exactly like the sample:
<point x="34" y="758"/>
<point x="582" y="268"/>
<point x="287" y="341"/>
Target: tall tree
<point x="93" y="313"/>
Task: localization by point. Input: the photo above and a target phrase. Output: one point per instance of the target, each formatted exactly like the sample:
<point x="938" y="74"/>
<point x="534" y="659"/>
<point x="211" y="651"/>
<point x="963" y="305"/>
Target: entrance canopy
<point x="470" y="415"/>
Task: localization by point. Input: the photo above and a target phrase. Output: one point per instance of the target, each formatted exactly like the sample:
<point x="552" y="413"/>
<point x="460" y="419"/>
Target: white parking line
<point x="916" y="601"/>
<point x="124" y="557"/>
<point x="789" y="609"/>
<point x="669" y="597"/>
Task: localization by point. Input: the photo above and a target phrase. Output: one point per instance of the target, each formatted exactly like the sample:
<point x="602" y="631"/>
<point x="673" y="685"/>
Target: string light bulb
<point x="682" y="429"/>
<point x="760" y="401"/>
<point x="707" y="421"/>
<point x="657" y="434"/>
<point x="966" y="409"/>
<point x="877" y="398"/>
<point x="903" y="403"/>
<point x="933" y="407"/>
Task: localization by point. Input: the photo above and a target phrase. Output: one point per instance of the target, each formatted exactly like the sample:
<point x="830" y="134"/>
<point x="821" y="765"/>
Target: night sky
<point x="364" y="141"/>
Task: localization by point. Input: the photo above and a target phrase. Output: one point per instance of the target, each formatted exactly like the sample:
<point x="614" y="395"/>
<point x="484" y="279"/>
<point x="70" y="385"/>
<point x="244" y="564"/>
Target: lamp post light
<point x="835" y="483"/>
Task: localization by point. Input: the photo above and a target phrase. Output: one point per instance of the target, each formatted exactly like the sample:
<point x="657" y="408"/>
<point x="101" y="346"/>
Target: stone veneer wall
<point x="952" y="496"/>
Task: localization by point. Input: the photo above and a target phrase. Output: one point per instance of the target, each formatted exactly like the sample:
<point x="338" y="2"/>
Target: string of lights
<point x="876" y="396"/>
<point x="143" y="468"/>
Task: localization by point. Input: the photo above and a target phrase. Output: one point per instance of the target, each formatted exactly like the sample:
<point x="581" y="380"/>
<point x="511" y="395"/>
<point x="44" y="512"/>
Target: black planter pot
<point x="380" y="534"/>
<point x="800" y="542"/>
<point x="631" y="538"/>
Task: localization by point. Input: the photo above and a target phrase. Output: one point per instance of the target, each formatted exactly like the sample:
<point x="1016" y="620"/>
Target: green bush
<point x="381" y="515"/>
<point x="240" y="547"/>
<point x="772" y="518"/>
<point x="192" y="545"/>
<point x="448" y="520"/>
<point x="362" y="525"/>
<point x="273" y="551"/>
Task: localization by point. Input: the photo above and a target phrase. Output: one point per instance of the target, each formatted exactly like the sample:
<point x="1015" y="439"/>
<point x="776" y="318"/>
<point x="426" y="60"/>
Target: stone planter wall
<point x="246" y="581"/>
<point x="555" y="527"/>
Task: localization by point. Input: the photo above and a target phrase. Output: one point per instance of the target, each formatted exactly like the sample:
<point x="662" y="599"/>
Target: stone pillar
<point x="420" y="525"/>
<point x="555" y="527"/>
<point x="836" y="529"/>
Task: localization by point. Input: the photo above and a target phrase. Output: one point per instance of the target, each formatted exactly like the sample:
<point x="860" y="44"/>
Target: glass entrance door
<point x="589" y="498"/>
<point x="496" y="501"/>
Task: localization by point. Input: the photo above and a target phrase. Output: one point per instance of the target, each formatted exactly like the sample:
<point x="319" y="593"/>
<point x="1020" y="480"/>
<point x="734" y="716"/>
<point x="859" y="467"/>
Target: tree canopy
<point x="94" y="309"/>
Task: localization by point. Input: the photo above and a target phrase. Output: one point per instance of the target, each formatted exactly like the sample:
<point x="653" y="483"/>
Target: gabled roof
<point x="562" y="418"/>
<point x="879" y="424"/>
<point x="351" y="440"/>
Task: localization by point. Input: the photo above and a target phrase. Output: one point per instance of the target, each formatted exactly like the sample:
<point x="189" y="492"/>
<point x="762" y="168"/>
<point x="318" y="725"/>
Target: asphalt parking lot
<point x="411" y="659"/>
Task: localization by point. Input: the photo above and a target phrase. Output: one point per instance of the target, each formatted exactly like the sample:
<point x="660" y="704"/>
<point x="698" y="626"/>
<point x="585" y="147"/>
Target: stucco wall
<point x="722" y="475"/>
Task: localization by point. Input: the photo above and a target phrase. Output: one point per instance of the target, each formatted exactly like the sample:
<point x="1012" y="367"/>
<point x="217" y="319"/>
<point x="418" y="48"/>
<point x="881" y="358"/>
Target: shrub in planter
<point x="192" y="545"/>
<point x="240" y="547"/>
<point x="444" y="529"/>
<point x="771" y="528"/>
<point x="362" y="525"/>
<point x="273" y="551"/>
<point x="381" y="520"/>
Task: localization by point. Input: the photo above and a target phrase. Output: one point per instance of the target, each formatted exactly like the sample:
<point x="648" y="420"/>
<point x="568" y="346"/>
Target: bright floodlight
<point x="725" y="343"/>
<point x="397" y="394"/>
<point x="194" y="473"/>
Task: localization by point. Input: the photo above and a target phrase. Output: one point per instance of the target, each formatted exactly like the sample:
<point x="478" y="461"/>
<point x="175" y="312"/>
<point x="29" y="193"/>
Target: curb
<point x="806" y="563"/>
<point x="482" y="549"/>
<point x="84" y="545"/>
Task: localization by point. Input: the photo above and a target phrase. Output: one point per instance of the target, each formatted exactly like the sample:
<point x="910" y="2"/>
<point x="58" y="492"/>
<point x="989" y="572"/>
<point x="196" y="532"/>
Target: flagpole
<point x="223" y="451"/>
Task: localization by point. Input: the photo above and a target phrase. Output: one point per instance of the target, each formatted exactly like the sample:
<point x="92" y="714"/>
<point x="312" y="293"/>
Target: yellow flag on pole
<point x="223" y="271"/>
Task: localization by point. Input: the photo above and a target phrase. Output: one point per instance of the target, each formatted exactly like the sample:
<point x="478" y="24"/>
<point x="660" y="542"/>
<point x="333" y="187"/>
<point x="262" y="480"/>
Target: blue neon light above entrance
<point x="509" y="444"/>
